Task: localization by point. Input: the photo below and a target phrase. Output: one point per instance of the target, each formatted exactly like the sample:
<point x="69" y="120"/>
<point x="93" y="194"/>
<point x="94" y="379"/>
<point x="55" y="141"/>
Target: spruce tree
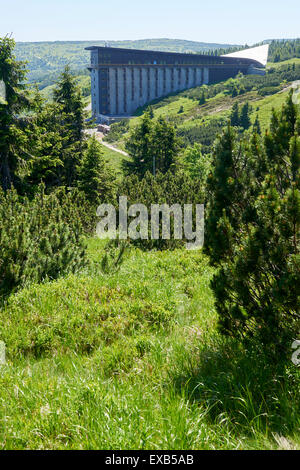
<point x="138" y="147"/>
<point x="256" y="126"/>
<point x="152" y="145"/>
<point x="72" y="119"/>
<point x="197" y="164"/>
<point x="245" y="121"/>
<point x="164" y="145"/>
<point x="202" y="99"/>
<point x="13" y="141"/>
<point x="45" y="135"/>
<point x="235" y="115"/>
<point x="95" y="178"/>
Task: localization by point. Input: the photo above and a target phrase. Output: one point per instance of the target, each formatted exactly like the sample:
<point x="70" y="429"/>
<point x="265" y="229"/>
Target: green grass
<point x="115" y="159"/>
<point x="265" y="107"/>
<point x="284" y="62"/>
<point x="133" y="360"/>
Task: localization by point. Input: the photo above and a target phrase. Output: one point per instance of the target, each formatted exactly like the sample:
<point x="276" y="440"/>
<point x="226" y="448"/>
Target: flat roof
<point x="249" y="60"/>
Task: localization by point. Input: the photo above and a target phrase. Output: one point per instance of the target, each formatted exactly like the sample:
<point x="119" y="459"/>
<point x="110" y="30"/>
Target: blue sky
<point x="229" y="21"/>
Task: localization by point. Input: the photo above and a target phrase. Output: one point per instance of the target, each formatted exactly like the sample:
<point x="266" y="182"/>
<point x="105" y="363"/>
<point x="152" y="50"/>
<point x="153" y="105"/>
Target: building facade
<point x="125" y="79"/>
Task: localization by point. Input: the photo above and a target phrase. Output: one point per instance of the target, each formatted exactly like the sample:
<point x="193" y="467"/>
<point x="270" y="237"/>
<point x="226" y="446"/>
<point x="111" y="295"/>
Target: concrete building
<point x="125" y="79"/>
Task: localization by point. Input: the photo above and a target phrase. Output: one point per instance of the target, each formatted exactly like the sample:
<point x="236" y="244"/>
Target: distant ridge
<point x="163" y="44"/>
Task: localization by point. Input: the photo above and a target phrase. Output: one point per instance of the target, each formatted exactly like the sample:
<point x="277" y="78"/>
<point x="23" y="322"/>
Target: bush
<point x="39" y="239"/>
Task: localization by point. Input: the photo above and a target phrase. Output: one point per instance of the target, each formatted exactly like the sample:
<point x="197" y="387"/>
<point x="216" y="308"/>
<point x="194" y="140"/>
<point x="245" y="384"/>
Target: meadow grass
<point x="115" y="159"/>
<point x="277" y="65"/>
<point x="263" y="107"/>
<point x="133" y="360"/>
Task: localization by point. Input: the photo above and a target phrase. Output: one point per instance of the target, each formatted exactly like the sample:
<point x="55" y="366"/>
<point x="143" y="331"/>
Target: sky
<point x="228" y="22"/>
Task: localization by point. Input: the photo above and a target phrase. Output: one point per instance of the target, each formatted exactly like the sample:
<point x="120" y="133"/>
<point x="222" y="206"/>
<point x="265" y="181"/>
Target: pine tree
<point x="152" y="145"/>
<point x="164" y="145"/>
<point x="245" y="121"/>
<point x="39" y="239"/>
<point x="226" y="195"/>
<point x="95" y="178"/>
<point x="150" y="111"/>
<point x="13" y="142"/>
<point x="138" y="147"/>
<point x="257" y="250"/>
<point x="197" y="165"/>
<point x="45" y="137"/>
<point x="72" y="119"/>
<point x="235" y="115"/>
<point x="202" y="99"/>
<point x="256" y="126"/>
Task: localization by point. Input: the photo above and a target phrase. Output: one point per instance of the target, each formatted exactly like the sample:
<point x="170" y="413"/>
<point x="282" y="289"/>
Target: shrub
<point x="38" y="239"/>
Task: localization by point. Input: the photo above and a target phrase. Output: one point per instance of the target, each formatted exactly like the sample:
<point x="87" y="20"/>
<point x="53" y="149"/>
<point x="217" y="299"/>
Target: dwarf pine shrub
<point x="38" y="239"/>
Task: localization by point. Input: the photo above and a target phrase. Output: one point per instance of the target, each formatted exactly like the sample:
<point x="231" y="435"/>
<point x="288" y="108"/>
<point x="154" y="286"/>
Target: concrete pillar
<point x="152" y="84"/>
<point x="161" y="89"/>
<point x="94" y="91"/>
<point x="176" y="80"/>
<point x="199" y="76"/>
<point x="182" y="81"/>
<point x="128" y="84"/>
<point x="206" y="76"/>
<point x="112" y="91"/>
<point x="191" y="77"/>
<point x="120" y="84"/>
<point x="145" y="95"/>
<point x="168" y="81"/>
<point x="136" y="75"/>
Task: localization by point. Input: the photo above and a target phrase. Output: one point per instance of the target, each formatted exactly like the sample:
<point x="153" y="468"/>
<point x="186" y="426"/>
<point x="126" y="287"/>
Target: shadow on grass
<point x="241" y="389"/>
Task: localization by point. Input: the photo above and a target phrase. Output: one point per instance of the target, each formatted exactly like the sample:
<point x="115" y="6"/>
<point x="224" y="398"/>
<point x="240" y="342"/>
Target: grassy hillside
<point x="115" y="159"/>
<point x="132" y="360"/>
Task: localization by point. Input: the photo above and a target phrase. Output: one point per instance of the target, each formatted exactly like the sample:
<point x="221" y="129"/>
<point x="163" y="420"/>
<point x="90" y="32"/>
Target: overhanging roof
<point x="259" y="54"/>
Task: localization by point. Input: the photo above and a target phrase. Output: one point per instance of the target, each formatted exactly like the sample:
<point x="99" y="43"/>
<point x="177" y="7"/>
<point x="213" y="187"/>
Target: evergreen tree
<point x="164" y="145"/>
<point x="245" y="121"/>
<point x="235" y="91"/>
<point x="226" y="195"/>
<point x="45" y="137"/>
<point x="72" y="119"/>
<point x="235" y="115"/>
<point x="95" y="177"/>
<point x="197" y="165"/>
<point x="13" y="142"/>
<point x="256" y="126"/>
<point x="138" y="147"/>
<point x="152" y="145"/>
<point x="257" y="249"/>
<point x="202" y="99"/>
<point x="150" y="111"/>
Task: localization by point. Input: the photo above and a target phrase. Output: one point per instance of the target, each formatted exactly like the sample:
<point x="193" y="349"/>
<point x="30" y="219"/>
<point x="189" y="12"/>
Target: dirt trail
<point x="99" y="136"/>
